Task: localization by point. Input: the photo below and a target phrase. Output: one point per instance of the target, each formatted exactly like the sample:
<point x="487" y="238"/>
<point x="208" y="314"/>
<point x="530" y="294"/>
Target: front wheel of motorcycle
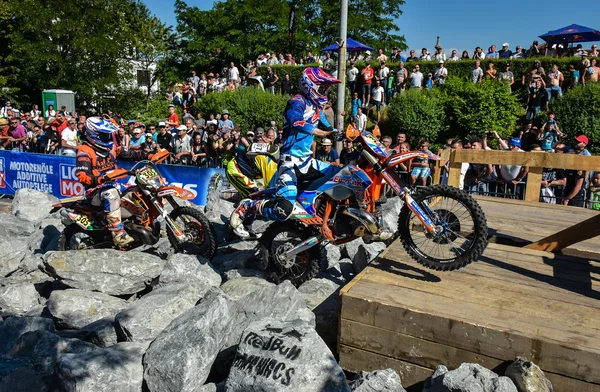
<point x="202" y="238"/>
<point x="279" y="238"/>
<point x="461" y="229"/>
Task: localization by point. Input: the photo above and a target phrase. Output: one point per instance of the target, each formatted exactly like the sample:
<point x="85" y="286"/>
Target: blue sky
<point x="463" y="24"/>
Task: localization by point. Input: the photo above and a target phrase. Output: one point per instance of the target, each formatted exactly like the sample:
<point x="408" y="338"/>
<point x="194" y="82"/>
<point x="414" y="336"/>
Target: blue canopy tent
<point x="570" y="34"/>
<point x="351" y="46"/>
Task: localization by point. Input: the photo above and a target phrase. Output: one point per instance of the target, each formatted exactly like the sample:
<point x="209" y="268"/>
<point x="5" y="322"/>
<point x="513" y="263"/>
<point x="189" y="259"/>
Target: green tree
<point x="79" y="45"/>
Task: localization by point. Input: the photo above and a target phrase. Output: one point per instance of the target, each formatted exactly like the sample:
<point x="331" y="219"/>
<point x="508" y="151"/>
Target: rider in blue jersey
<point x="302" y="117"/>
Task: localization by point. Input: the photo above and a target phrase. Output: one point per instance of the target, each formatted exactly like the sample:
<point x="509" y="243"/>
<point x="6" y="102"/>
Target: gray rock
<point x="390" y="211"/>
<point x="44" y="348"/>
<point x="102" y="331"/>
<point x="350" y="249"/>
<point x="31" y="264"/>
<point x="17" y="298"/>
<point x="244" y="273"/>
<point x="386" y="380"/>
<point x="14" y="237"/>
<point x="333" y="255"/>
<point x="207" y="388"/>
<point x="365" y="254"/>
<point x="236" y="260"/>
<point x="148" y="316"/>
<point x="116" y="368"/>
<point x="75" y="308"/>
<point x="528" y="377"/>
<point x="106" y="270"/>
<point x="32" y="205"/>
<point x="182" y="268"/>
<point x="342" y="273"/>
<point x="242" y="287"/>
<point x="9" y="365"/>
<point x="45" y="239"/>
<point x="284" y="356"/>
<point x="13" y="327"/>
<point x="468" y="377"/>
<point x="181" y="356"/>
<point x="24" y="379"/>
<point x="322" y="297"/>
<point x="218" y="212"/>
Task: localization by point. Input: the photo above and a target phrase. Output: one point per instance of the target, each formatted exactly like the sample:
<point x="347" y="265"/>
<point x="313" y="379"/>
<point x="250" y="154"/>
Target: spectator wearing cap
<point x="328" y="154"/>
<point x="581" y="145"/>
<point x="181" y="146"/>
<point x="512" y="175"/>
<point x="69" y="139"/>
<point x="250" y="136"/>
<point x="135" y="143"/>
<point x="164" y="137"/>
<point x="505" y="52"/>
<point x="507" y="76"/>
<point x="225" y="124"/>
<point x="149" y="145"/>
<point x="439" y="54"/>
<point x="173" y="119"/>
<point x="131" y="125"/>
<point x="441" y="73"/>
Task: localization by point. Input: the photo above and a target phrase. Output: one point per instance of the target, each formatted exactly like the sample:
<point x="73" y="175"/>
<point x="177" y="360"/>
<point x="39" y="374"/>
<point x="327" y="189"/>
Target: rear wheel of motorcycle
<point x="278" y="238"/>
<point x="198" y="226"/>
<point x="465" y="229"/>
<point x="87" y="240"/>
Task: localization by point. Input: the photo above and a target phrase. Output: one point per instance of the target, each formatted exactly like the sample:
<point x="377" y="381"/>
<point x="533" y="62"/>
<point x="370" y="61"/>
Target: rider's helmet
<point x="314" y="85"/>
<point x="100" y="133"/>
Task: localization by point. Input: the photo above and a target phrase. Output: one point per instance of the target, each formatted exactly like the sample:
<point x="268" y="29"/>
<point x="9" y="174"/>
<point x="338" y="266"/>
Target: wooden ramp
<point x="512" y="302"/>
<point x="524" y="222"/>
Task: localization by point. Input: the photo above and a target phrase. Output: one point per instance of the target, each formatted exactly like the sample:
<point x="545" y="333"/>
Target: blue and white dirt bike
<point x="441" y="227"/>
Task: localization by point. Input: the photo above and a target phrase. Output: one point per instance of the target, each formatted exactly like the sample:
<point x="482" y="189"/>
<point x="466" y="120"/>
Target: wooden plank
<point x="571" y="355"/>
<point x="492" y="303"/>
<point x="356" y="360"/>
<point x="581" y="231"/>
<point x="531" y="159"/>
<point x="534" y="184"/>
<point x="409" y="348"/>
<point x="562" y="383"/>
<point x="454" y="171"/>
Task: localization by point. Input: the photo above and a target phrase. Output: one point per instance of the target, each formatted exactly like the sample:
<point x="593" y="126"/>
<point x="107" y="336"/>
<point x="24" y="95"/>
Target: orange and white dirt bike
<point x="441" y="227"/>
<point x="142" y="203"/>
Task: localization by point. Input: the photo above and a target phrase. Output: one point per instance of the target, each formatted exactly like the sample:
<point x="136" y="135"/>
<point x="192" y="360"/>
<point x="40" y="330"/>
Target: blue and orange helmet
<point x="315" y="84"/>
<point x="100" y="133"/>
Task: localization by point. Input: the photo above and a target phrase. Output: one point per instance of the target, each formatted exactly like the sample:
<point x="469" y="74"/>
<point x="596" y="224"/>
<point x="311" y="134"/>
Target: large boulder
<point x="75" y="308"/>
<point x="322" y="297"/>
<point x="390" y="212"/>
<point x="46" y="239"/>
<point x="44" y="348"/>
<point x="528" y="377"/>
<point x="239" y="288"/>
<point x="182" y="268"/>
<point x="106" y="270"/>
<point x="181" y="356"/>
<point x="148" y="316"/>
<point x="32" y="205"/>
<point x="17" y="298"/>
<point x="468" y="377"/>
<point x="386" y="380"/>
<point x="14" y="237"/>
<point x="102" y="332"/>
<point x="286" y="356"/>
<point x="13" y="327"/>
<point x="365" y="254"/>
<point x="23" y="379"/>
<point x="116" y="368"/>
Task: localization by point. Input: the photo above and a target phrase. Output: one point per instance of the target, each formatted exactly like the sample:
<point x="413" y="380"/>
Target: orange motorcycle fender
<point x="176" y="191"/>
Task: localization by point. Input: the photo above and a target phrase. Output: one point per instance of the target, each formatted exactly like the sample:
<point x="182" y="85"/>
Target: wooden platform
<point x="513" y="302"/>
<point x="523" y="222"/>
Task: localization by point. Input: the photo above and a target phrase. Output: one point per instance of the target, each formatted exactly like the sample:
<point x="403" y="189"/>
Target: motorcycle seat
<point x="313" y="184"/>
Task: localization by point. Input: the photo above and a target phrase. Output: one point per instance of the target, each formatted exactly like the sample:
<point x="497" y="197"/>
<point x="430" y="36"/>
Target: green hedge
<point x="249" y="107"/>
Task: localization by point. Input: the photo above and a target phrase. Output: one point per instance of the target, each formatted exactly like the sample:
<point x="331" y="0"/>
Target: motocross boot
<point x="120" y="236"/>
<point x="246" y="208"/>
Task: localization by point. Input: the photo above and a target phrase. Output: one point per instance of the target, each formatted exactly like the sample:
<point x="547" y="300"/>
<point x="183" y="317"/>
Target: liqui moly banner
<point x="56" y="175"/>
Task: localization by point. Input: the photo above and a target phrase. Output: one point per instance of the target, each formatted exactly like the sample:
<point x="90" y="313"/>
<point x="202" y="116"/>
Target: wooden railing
<point x="536" y="161"/>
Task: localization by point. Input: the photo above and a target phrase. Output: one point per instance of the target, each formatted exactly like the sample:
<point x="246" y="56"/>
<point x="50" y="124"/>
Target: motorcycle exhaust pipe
<point x="301" y="247"/>
<point x="367" y="219"/>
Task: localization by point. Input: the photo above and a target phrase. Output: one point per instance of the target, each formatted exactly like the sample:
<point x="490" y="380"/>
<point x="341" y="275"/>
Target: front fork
<point x="171" y="224"/>
<point x="421" y="211"/>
